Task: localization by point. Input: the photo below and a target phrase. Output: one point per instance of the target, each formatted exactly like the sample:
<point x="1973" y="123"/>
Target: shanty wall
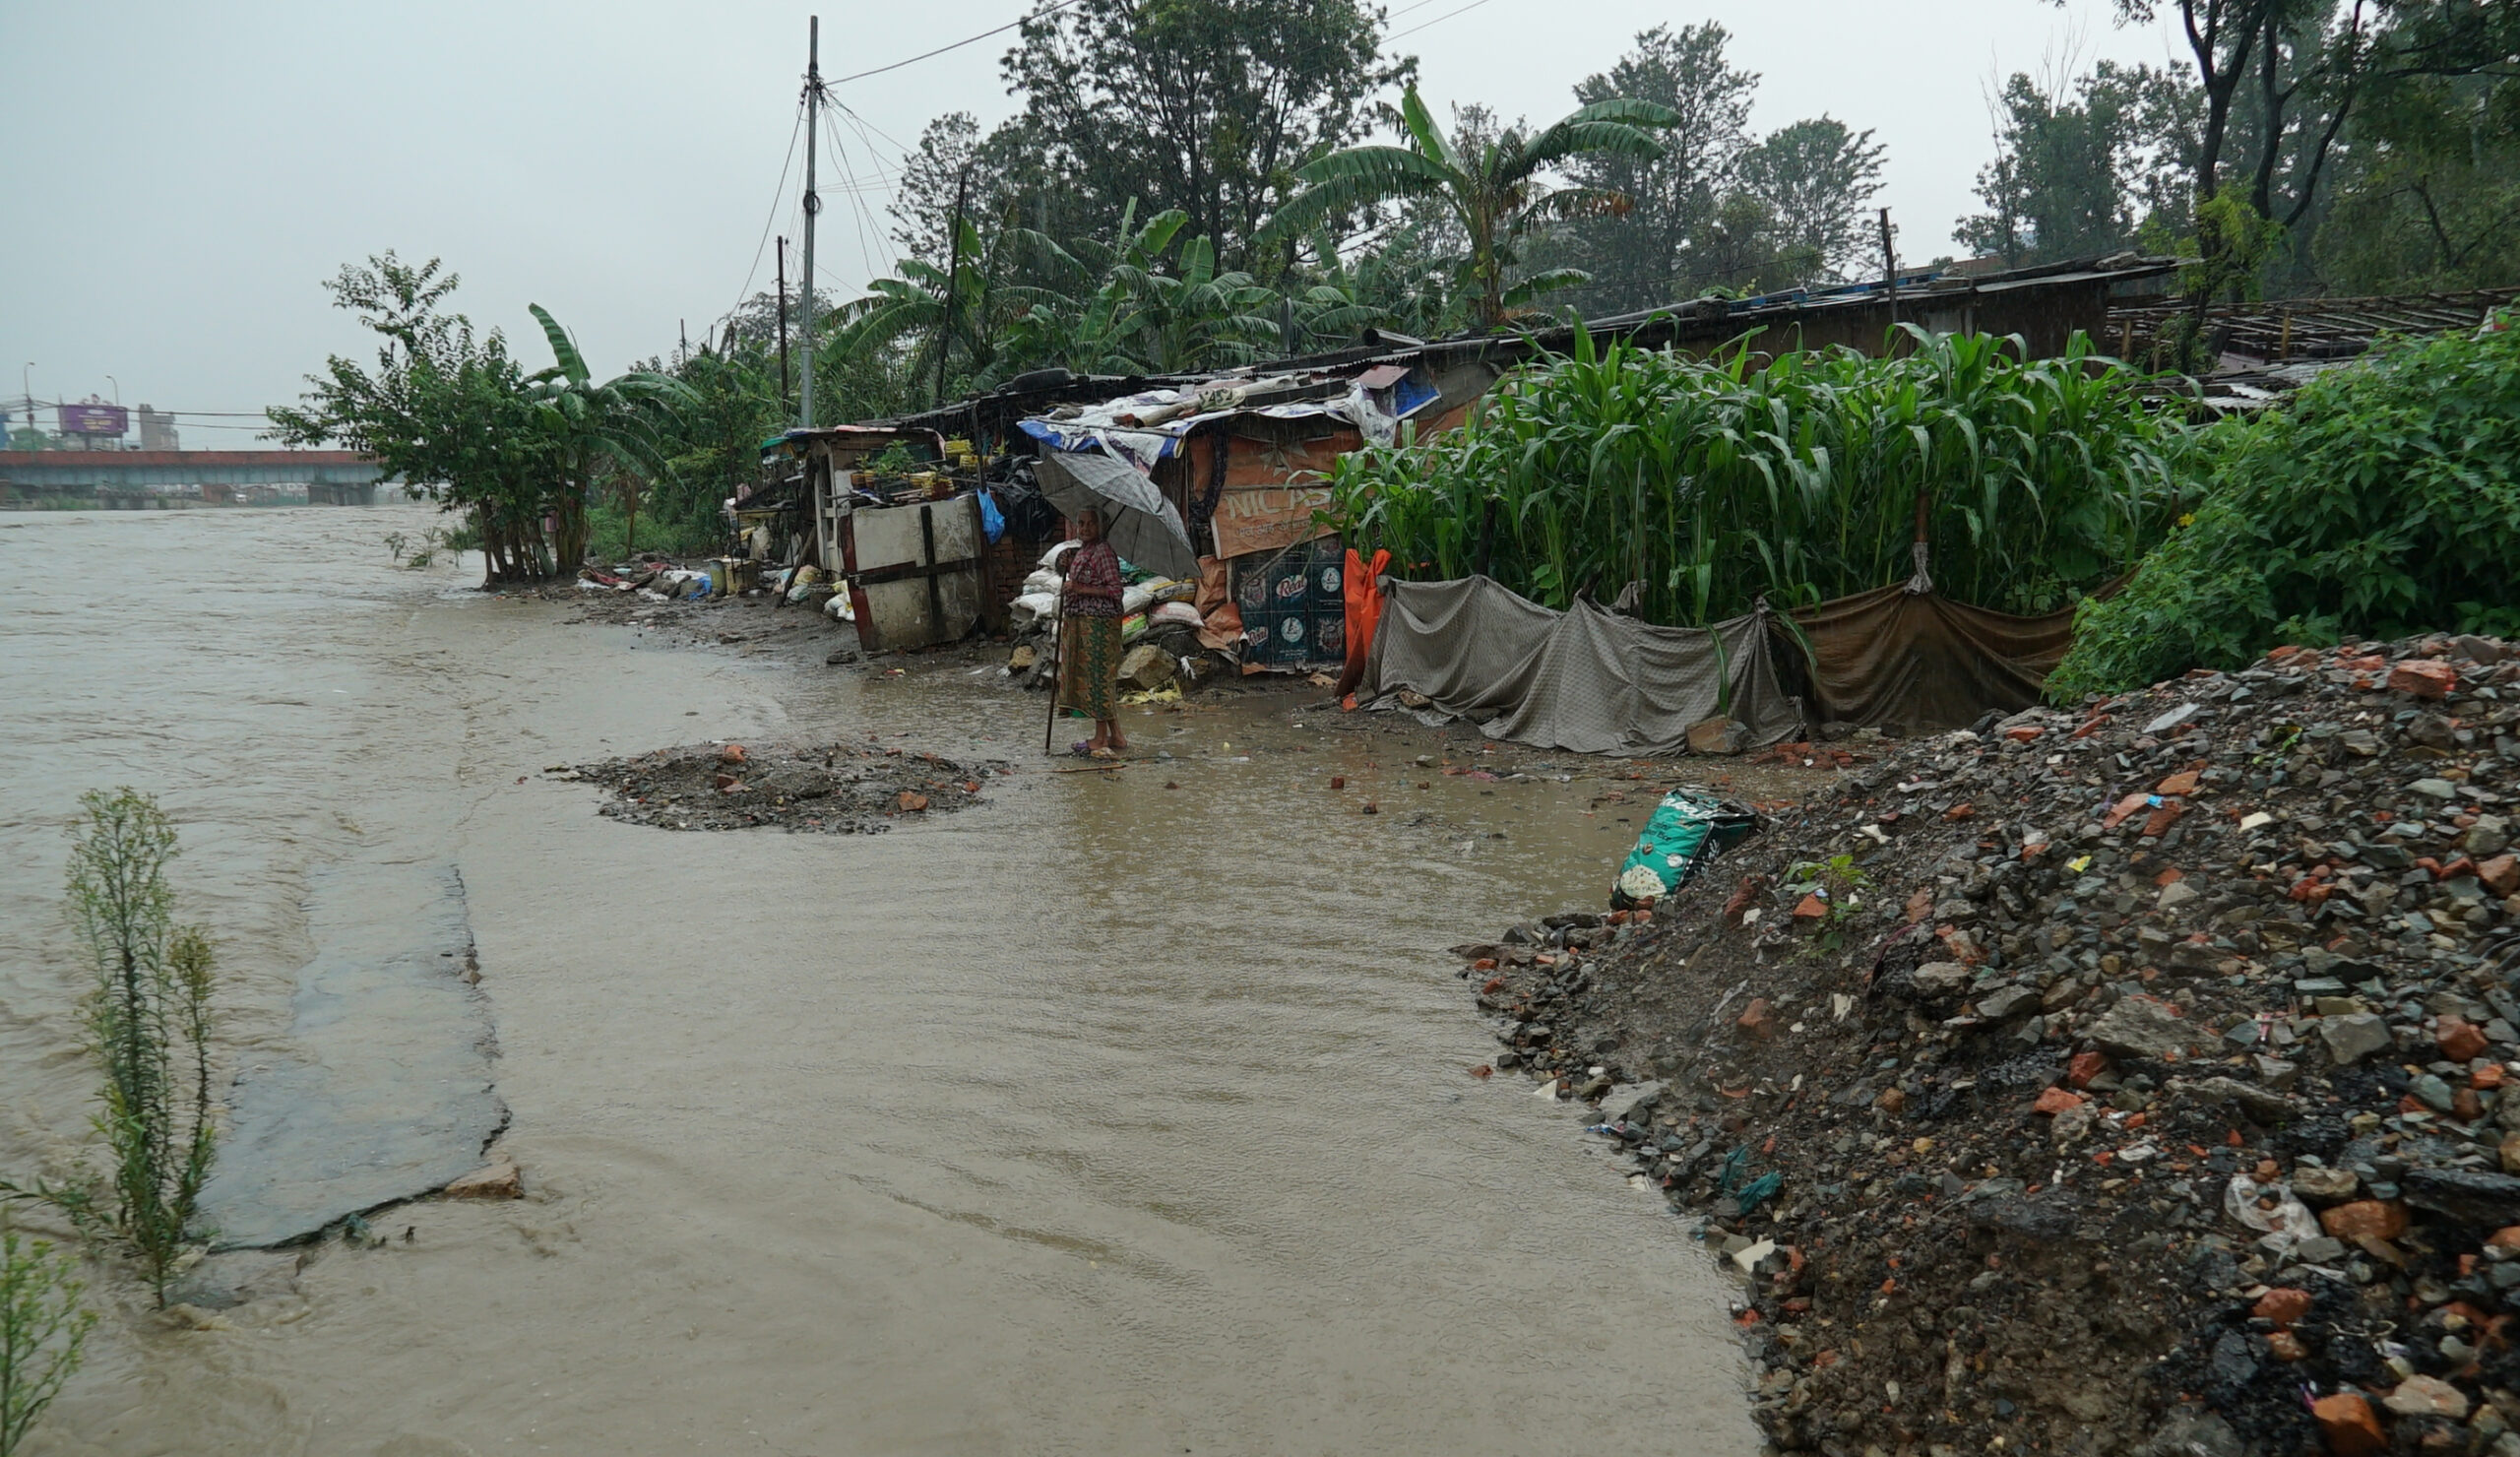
<point x="2045" y="316"/>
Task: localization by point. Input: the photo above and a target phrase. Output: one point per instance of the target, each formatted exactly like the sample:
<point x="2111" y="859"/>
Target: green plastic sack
<point x="1685" y="829"/>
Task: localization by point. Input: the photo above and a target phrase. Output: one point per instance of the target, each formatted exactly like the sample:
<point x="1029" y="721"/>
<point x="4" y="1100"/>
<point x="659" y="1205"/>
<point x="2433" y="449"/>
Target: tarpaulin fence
<point x="1584" y="680"/>
<point x="1593" y="681"/>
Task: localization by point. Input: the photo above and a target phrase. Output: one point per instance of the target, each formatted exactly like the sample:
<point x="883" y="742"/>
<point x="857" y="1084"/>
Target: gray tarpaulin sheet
<point x="1584" y="680"/>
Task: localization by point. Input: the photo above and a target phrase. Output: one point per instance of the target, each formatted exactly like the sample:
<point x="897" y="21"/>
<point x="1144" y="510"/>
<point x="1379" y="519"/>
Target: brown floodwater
<point x="1106" y="1116"/>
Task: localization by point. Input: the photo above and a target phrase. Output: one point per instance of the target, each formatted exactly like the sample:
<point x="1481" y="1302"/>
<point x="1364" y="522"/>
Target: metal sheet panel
<point x="914" y="572"/>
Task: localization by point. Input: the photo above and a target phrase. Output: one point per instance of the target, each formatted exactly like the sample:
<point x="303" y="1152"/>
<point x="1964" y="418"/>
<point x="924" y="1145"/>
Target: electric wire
<point x="794" y="131"/>
<point x="1438" y="21"/>
<point x="1043" y="13"/>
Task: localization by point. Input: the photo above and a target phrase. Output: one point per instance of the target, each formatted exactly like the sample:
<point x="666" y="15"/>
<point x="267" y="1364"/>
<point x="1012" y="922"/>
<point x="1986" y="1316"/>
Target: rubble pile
<point x="837" y="788"/>
<point x="2143" y="1078"/>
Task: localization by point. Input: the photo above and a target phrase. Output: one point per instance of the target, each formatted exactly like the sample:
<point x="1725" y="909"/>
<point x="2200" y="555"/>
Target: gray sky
<point x="182" y="176"/>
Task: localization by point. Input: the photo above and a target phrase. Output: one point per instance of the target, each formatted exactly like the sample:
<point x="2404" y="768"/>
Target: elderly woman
<point x="1090" y="640"/>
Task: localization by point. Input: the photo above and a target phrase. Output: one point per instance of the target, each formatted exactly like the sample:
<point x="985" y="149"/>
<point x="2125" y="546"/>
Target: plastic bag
<point x="2290" y="1217"/>
<point x="1181" y="612"/>
<point x="993" y="519"/>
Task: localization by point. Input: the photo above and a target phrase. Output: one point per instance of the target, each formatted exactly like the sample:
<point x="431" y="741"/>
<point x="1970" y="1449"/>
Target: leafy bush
<point x="2383" y="500"/>
<point x="1713" y="482"/>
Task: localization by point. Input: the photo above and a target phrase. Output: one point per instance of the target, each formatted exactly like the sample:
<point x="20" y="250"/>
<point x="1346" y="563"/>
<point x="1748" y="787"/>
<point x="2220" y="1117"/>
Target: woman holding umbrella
<point x="1090" y="639"/>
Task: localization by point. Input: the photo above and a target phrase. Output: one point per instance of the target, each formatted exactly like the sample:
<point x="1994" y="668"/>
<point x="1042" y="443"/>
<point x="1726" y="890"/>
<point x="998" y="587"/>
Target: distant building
<point x="158" y="430"/>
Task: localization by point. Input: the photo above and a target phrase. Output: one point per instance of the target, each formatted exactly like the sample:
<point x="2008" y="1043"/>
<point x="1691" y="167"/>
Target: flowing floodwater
<point x="1105" y="1117"/>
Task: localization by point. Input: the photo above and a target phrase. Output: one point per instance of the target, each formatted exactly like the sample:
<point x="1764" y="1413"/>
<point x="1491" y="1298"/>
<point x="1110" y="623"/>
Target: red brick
<point x="2283" y="1306"/>
<point x="2084" y="1067"/>
<point x="2056" y="1100"/>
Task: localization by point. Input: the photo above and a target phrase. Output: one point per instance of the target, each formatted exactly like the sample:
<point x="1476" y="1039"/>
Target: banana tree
<point x="965" y="307"/>
<point x="599" y="432"/>
<point x="1498" y="190"/>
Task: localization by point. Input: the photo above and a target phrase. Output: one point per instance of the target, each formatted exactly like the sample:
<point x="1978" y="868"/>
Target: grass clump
<point x="2381" y="501"/>
<point x="1713" y="482"/>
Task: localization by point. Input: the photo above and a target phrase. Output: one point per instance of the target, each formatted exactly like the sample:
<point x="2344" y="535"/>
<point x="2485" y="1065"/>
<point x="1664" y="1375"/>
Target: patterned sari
<point x="1090" y="637"/>
<point x="1090" y="666"/>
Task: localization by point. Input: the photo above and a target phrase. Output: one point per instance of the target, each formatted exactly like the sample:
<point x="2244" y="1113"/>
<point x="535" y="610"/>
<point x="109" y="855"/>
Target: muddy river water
<point x="1104" y="1117"/>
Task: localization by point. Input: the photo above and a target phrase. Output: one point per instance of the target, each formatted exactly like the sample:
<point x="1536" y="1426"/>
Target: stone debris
<point x="837" y="788"/>
<point x="2140" y="1086"/>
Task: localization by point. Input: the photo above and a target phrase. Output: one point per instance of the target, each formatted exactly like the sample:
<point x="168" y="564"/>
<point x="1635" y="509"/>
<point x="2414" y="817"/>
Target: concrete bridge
<point x="332" y="478"/>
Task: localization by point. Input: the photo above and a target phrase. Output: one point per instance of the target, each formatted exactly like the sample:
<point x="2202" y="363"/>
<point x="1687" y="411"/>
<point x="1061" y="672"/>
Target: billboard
<point x="95" y="420"/>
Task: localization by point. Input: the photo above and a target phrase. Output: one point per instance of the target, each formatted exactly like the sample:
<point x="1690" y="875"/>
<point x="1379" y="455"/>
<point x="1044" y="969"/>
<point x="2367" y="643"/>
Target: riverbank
<point x="2120" y="1081"/>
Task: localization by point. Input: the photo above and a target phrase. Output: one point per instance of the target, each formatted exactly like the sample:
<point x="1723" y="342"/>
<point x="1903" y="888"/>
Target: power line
<point x="1043" y="13"/>
<point x="794" y="130"/>
<point x="1438" y="21"/>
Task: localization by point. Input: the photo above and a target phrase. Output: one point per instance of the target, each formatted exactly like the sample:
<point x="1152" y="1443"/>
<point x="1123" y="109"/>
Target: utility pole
<point x="782" y="326"/>
<point x="953" y="267"/>
<point x="813" y="204"/>
<point x="1890" y="274"/>
<point x="682" y="331"/>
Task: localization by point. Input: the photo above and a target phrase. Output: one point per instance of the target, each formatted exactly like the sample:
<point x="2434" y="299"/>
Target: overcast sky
<point x="181" y="177"/>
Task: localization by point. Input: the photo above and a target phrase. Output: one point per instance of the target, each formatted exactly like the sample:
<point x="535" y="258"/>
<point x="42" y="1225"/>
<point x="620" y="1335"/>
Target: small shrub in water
<point x="41" y="1330"/>
<point x="149" y="1022"/>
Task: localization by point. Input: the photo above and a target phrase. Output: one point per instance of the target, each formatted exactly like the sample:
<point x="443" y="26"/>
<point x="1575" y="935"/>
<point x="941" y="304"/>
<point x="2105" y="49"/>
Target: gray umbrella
<point x="1138" y="522"/>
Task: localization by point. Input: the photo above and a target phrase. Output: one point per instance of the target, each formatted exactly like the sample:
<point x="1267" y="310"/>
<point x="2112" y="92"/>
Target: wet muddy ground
<point x="830" y="789"/>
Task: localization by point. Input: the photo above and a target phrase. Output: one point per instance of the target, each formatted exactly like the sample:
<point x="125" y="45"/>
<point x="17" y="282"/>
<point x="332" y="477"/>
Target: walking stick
<point x="1059" y="650"/>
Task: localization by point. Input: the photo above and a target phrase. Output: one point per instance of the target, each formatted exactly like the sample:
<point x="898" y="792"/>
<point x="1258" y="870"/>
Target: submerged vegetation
<point x="1715" y="482"/>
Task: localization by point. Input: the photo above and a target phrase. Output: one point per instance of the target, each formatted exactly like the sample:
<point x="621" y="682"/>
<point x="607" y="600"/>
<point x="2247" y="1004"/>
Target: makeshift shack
<point x="900" y="517"/>
<point x="1247" y="461"/>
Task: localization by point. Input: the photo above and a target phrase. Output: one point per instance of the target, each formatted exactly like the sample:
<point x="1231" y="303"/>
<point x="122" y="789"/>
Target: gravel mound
<point x="839" y="789"/>
<point x="2123" y="1080"/>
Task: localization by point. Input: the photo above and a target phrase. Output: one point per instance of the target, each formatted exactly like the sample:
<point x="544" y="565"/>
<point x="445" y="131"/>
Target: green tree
<point x="1495" y="195"/>
<point x="935" y="311"/>
<point x="601" y="434"/>
<point x="1205" y="106"/>
<point x="2084" y="168"/>
<point x="1815" y="177"/>
<point x="1149" y="300"/>
<point x="1643" y="255"/>
<point x="2427" y="188"/>
<point x="446" y="409"/>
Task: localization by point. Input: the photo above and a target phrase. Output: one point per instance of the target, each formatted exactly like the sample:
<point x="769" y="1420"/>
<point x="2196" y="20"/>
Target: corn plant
<point x="1713" y="482"/>
<point x="42" y="1329"/>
